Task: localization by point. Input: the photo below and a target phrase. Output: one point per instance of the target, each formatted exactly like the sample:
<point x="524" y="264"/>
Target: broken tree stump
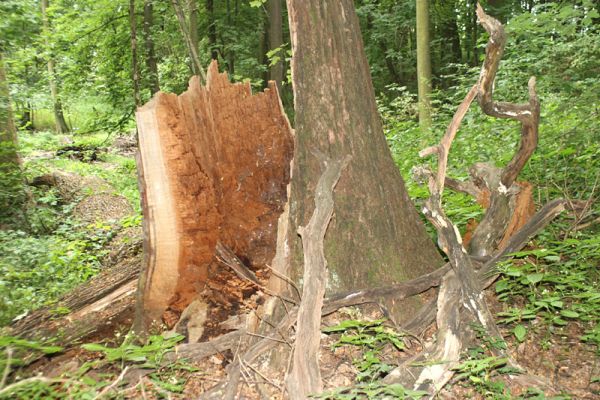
<point x="214" y="166"/>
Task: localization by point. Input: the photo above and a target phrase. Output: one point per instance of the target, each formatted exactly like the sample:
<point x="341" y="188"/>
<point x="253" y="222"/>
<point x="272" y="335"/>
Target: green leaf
<point x="534" y="278"/>
<point x="520" y="332"/>
<point x="94" y="347"/>
<point x="569" y="313"/>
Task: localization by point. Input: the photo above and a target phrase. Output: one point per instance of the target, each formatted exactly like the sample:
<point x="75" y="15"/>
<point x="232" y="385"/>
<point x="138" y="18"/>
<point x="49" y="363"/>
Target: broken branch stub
<point x="214" y="165"/>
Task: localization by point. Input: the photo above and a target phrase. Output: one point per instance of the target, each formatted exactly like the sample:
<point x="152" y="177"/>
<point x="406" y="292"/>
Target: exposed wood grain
<point x="215" y="165"/>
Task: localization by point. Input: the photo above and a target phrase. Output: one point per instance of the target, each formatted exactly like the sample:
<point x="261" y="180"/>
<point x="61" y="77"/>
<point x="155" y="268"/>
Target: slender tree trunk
<point x="193" y="10"/>
<point x="263" y="46"/>
<point x="212" y="29"/>
<point x="450" y="45"/>
<point x="8" y="132"/>
<point x="376" y="235"/>
<point x="276" y="71"/>
<point x="59" y="118"/>
<point x="231" y="20"/>
<point x="423" y="64"/>
<point x="135" y="76"/>
<point x="474" y="34"/>
<point x="151" y="63"/>
<point x="192" y="50"/>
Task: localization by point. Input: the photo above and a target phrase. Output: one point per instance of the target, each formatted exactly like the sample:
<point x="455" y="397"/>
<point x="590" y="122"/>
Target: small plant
<point x="372" y="337"/>
<point x="372" y="391"/>
<point x="480" y="366"/>
<point x="149" y="355"/>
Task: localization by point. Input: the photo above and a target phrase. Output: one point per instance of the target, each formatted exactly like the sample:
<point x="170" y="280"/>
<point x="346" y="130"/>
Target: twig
<point x="112" y="385"/>
<point x="287" y="279"/>
<point x="9" y="354"/>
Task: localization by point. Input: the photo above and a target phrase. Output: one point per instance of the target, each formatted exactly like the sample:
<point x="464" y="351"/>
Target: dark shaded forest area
<point x="258" y="199"/>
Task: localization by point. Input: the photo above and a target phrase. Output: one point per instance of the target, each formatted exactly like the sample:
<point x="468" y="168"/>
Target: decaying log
<point x="304" y="377"/>
<point x="214" y="165"/>
<point x="94" y="308"/>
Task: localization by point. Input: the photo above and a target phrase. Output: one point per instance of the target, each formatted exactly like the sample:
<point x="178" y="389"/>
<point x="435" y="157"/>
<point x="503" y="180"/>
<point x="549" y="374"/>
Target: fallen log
<point x="95" y="308"/>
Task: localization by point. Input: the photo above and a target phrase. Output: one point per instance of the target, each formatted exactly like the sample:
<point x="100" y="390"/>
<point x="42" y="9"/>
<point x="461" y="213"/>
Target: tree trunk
<point x="8" y="133"/>
<point x="149" y="44"/>
<point x="214" y="165"/>
<point x="375" y="235"/>
<point x="135" y="75"/>
<point x="231" y="20"/>
<point x="423" y="64"/>
<point x="212" y="29"/>
<point x="276" y="72"/>
<point x="474" y="34"/>
<point x="192" y="49"/>
<point x="193" y="10"/>
<point x="450" y="43"/>
<point x="59" y="118"/>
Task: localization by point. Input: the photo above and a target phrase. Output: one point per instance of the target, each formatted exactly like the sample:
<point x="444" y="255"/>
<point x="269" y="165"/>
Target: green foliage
<point x="372" y="391"/>
<point x="372" y="337"/>
<point x="19" y="348"/>
<point x="148" y="355"/>
<point x="70" y="257"/>
<point x="559" y="286"/>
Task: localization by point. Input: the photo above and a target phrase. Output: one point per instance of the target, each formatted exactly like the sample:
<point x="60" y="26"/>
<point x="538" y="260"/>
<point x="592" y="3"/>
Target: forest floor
<point x="548" y="317"/>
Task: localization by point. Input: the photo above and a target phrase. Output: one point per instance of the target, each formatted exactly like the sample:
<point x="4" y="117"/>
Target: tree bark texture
<point x="214" y="165"/>
<point x="151" y="63"/>
<point x="375" y="235"/>
<point x="423" y="64"/>
<point x="59" y="118"/>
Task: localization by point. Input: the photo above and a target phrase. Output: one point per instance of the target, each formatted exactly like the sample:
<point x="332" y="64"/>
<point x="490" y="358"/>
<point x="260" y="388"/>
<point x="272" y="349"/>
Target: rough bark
<point x="135" y="74"/>
<point x="423" y="64"/>
<point x="59" y="118"/>
<point x="214" y="165"/>
<point x="375" y="235"/>
<point x="151" y="63"/>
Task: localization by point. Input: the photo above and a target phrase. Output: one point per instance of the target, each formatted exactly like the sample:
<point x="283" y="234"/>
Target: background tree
<point x="151" y="63"/>
<point x="61" y="124"/>
<point x="423" y="64"/>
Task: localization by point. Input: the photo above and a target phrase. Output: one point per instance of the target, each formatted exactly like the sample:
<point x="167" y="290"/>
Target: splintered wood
<point x="214" y="166"/>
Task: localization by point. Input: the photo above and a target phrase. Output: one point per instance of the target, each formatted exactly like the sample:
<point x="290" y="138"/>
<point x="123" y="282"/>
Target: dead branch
<point x="305" y="377"/>
<point x="527" y="114"/>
